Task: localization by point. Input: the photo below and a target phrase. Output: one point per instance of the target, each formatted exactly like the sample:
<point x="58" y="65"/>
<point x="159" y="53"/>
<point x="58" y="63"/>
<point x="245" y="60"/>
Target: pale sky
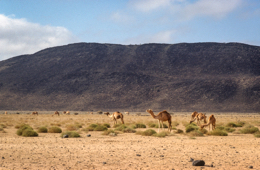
<point x="27" y="26"/>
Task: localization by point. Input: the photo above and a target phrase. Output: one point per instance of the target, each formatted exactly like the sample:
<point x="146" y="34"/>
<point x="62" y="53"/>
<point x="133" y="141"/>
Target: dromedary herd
<point x="161" y="117"/>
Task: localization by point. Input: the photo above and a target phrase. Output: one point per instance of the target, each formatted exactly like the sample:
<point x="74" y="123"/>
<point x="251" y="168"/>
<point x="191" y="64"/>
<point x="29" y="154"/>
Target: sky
<point x="28" y="26"/>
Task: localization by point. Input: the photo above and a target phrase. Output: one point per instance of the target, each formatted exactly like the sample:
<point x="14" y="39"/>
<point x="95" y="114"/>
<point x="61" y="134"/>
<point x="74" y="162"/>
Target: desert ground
<point x="124" y="150"/>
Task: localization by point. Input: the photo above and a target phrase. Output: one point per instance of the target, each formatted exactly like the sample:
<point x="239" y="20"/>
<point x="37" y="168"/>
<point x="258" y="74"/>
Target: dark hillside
<point x="175" y="77"/>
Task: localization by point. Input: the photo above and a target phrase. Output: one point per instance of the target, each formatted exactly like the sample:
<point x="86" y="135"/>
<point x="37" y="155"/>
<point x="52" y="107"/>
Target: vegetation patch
<point x="161" y="134"/>
<point x="218" y="132"/>
<point x="100" y="128"/>
<point x="71" y="134"/>
<point x="22" y="128"/>
<point x="106" y="125"/>
<point x="238" y="124"/>
<point x="72" y="127"/>
<point x="54" y="129"/>
<point x="191" y="127"/>
<point x="195" y="133"/>
<point x="164" y="126"/>
<point x="42" y="129"/>
<point x="148" y="132"/>
<point x="203" y="131"/>
<point x="227" y="129"/>
<point x="151" y="125"/>
<point x="2" y="125"/>
<point x="140" y="125"/>
<point x="29" y="133"/>
<point x="179" y="131"/>
<point x="249" y="130"/>
<point x="21" y="125"/>
<point x="109" y="132"/>
<point x="257" y="134"/>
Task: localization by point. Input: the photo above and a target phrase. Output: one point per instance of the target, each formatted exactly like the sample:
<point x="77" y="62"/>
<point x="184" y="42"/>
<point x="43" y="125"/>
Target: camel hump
<point x="164" y="111"/>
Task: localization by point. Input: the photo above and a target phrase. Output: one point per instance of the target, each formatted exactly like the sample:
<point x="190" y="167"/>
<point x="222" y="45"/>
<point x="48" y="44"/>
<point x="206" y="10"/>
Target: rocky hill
<point x="176" y="77"/>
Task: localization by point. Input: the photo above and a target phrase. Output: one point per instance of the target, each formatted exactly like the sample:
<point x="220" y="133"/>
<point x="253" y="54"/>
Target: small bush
<point x="238" y="124"/>
<point x="42" y="129"/>
<point x="2" y="125"/>
<point x="195" y="133"/>
<point x="148" y="132"/>
<point x="29" y="133"/>
<point x="249" y="130"/>
<point x="161" y="134"/>
<point x="106" y="125"/>
<point x="21" y="125"/>
<point x="257" y="134"/>
<point x="71" y="134"/>
<point x="218" y="132"/>
<point x="107" y="132"/>
<point x="93" y="126"/>
<point x="191" y="127"/>
<point x="129" y="130"/>
<point x="55" y="124"/>
<point x="203" y="131"/>
<point x="22" y="128"/>
<point x="179" y="131"/>
<point x="121" y="127"/>
<point x="54" y="129"/>
<point x="140" y="125"/>
<point x="230" y="130"/>
<point x="1" y="129"/>
<point x="151" y="125"/>
<point x="100" y="128"/>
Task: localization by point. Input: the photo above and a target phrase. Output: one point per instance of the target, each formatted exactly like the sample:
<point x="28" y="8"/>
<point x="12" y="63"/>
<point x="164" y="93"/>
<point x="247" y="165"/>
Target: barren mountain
<point x="175" y="77"/>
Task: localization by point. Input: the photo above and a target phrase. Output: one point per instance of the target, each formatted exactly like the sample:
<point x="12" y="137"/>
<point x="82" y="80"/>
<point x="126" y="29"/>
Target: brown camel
<point x="199" y="117"/>
<point x="56" y="113"/>
<point x="193" y="115"/>
<point x="162" y="116"/>
<point x="115" y="116"/>
<point x="35" y="113"/>
<point x="212" y="121"/>
<point x="6" y="113"/>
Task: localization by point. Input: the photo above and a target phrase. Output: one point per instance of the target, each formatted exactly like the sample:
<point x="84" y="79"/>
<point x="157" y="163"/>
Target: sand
<point x="126" y="150"/>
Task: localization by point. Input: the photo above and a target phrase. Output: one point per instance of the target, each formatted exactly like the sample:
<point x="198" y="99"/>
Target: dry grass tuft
<point x="54" y="129"/>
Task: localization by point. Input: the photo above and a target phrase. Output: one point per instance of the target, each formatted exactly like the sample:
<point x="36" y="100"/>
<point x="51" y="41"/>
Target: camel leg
<point x="159" y="124"/>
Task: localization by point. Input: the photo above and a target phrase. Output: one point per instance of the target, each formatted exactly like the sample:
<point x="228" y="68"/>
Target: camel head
<point x="149" y="111"/>
<point x="201" y="127"/>
<point x="191" y="121"/>
<point x="106" y="113"/>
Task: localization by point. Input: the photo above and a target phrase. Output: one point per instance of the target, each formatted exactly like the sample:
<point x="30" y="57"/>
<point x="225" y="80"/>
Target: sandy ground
<point x="126" y="150"/>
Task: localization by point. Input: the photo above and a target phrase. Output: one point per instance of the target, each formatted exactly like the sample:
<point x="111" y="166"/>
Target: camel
<point x="6" y="113"/>
<point x="199" y="117"/>
<point x="212" y="121"/>
<point x="115" y="116"/>
<point x="56" y="113"/>
<point x="35" y="113"/>
<point x="162" y="116"/>
<point x="193" y="115"/>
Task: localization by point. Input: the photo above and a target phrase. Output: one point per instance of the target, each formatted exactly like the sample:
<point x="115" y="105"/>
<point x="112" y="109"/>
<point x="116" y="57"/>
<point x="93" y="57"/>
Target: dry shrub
<point x="238" y="124"/>
<point x="195" y="133"/>
<point x="29" y="133"/>
<point x="71" y="134"/>
<point x="164" y="126"/>
<point x="161" y="134"/>
<point x="218" y="132"/>
<point x="191" y="127"/>
<point x="85" y="130"/>
<point x="148" y="132"/>
<point x="100" y="128"/>
<point x="54" y="129"/>
<point x="257" y="134"/>
<point x="140" y="125"/>
<point x="42" y="129"/>
<point x="179" y="131"/>
<point x="121" y="127"/>
<point x="129" y="130"/>
<point x="2" y="125"/>
<point x="106" y="125"/>
<point x="249" y="130"/>
<point x="175" y="123"/>
<point x="22" y="128"/>
<point x="55" y="124"/>
<point x="21" y="125"/>
<point x="204" y="131"/>
<point x="110" y="131"/>
<point x="151" y="124"/>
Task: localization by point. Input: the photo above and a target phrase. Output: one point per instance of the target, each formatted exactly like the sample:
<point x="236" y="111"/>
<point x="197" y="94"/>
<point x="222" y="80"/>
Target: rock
<point x="250" y="167"/>
<point x="104" y="163"/>
<point x="191" y="160"/>
<point x="3" y="157"/>
<point x="65" y="136"/>
<point x="198" y="163"/>
<point x="161" y="155"/>
<point x="138" y="155"/>
<point x="88" y="135"/>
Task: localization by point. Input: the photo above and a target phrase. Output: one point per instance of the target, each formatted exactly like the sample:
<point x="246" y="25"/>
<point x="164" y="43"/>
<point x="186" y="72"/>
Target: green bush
<point x="148" y="132"/>
<point x="218" y="132"/>
<point x="106" y="125"/>
<point x="249" y="130"/>
<point x="93" y="126"/>
<point x="29" y="133"/>
<point x="54" y="129"/>
<point x="203" y="131"/>
<point x="164" y="126"/>
<point x="179" y="131"/>
<point x="228" y="129"/>
<point x="238" y="124"/>
<point x="121" y="127"/>
<point x="100" y="128"/>
<point x="21" y="125"/>
<point x="195" y="133"/>
<point x="42" y="129"/>
<point x="71" y="134"/>
<point x="22" y="128"/>
<point x="257" y="134"/>
<point x="191" y="127"/>
<point x="129" y="130"/>
<point x="140" y="125"/>
<point x="151" y="125"/>
<point x="110" y="131"/>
